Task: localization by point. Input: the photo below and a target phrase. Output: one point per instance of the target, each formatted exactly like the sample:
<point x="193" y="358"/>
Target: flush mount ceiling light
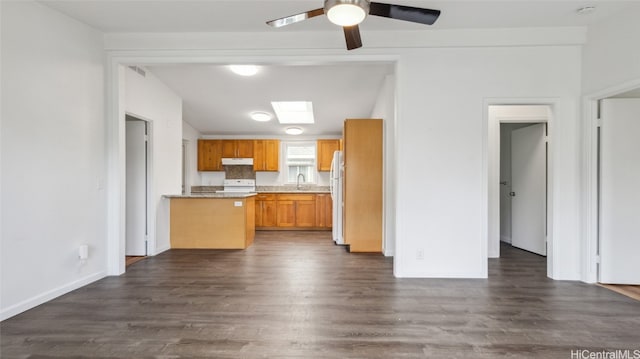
<point x="346" y="12"/>
<point x="293" y="131"/>
<point x="260" y="116"/>
<point x="244" y="70"/>
<point x="586" y="10"/>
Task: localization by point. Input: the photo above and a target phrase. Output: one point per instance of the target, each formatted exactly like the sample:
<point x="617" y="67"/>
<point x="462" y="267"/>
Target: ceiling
<point x="217" y="102"/>
<point x="250" y="15"/>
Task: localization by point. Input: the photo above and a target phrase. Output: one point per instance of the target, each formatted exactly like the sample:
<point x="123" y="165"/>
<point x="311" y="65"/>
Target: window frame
<point x="285" y="163"/>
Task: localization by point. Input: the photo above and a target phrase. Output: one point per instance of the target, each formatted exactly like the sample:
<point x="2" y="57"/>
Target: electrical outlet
<point x="420" y="254"/>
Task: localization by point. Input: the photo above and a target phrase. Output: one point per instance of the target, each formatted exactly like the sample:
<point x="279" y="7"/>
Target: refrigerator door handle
<point x="331" y="174"/>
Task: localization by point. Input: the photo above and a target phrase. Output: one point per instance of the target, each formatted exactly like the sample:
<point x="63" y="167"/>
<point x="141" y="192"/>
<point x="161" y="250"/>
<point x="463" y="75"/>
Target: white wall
<point x="442" y="89"/>
<point x="191" y="135"/>
<point x="441" y="101"/>
<point x="53" y="158"/>
<point x="611" y="57"/>
<point x="149" y="99"/>
<point x="385" y="108"/>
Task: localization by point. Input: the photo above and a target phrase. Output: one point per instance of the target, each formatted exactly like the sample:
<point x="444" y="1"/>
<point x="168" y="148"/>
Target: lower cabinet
<point x="266" y="210"/>
<point x="324" y="210"/>
<point x="293" y="211"/>
<point x="296" y="210"/>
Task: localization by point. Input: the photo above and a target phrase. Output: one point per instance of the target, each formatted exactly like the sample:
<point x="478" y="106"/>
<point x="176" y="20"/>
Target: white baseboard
<point x="160" y="250"/>
<point x="33" y="302"/>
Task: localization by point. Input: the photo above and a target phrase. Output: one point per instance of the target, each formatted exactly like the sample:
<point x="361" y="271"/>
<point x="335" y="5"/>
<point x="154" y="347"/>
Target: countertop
<point x="206" y="190"/>
<point x="295" y="191"/>
<point x="211" y="195"/>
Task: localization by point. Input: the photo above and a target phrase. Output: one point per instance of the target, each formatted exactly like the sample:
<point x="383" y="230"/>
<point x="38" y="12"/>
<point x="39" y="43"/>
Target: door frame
<point x="590" y="186"/>
<point x="491" y="171"/>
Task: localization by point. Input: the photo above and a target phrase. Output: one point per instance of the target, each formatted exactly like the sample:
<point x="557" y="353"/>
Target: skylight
<point x="293" y="112"/>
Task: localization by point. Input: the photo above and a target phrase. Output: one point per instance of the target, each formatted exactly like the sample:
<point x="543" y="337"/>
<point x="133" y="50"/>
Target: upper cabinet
<point x="210" y="155"/>
<point x="266" y="155"/>
<point x="326" y="148"/>
<point x="237" y="148"/>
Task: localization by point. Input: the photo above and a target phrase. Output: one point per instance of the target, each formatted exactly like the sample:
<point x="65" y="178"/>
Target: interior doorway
<point x="532" y="125"/>
<point x="137" y="187"/>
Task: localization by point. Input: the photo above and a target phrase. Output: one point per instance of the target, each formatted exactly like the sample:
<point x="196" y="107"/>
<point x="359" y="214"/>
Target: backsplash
<point x="239" y="172"/>
<point x="206" y="189"/>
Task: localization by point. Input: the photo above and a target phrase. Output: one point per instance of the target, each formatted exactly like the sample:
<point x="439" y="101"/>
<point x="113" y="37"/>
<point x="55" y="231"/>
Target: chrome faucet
<point x="298" y="180"/>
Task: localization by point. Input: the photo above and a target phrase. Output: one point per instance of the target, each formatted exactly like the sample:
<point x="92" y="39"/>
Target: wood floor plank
<point x="631" y="291"/>
<point x="297" y="295"/>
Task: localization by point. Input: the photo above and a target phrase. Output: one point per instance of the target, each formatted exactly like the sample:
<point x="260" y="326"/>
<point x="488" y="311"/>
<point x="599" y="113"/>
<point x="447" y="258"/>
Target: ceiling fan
<point x="349" y="13"/>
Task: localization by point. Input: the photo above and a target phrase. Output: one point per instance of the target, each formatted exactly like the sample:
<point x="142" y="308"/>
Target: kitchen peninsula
<point x="212" y="221"/>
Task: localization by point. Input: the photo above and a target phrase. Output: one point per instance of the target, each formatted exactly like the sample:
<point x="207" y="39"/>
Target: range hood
<point x="237" y="161"/>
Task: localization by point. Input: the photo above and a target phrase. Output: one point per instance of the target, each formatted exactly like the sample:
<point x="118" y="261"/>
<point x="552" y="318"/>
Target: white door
<point x="620" y="191"/>
<point x="136" y="188"/>
<point x="528" y="205"/>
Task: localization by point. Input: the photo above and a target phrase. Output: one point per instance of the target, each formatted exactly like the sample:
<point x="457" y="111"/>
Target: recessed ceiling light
<point x="293" y="131"/>
<point x="293" y="112"/>
<point x="586" y="10"/>
<point x="261" y="116"/>
<point x="244" y="70"/>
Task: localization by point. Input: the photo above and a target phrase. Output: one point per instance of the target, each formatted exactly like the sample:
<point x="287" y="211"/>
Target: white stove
<point x="239" y="186"/>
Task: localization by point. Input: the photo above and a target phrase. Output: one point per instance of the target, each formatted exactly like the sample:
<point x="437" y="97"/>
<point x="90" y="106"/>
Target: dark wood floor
<point x="299" y="296"/>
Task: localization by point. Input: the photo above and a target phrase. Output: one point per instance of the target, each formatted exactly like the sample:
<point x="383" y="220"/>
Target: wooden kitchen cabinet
<point x="286" y="213"/>
<point x="306" y="213"/>
<point x="237" y="148"/>
<point x="324" y="210"/>
<point x="296" y="210"/>
<point x="210" y="155"/>
<point x="362" y="226"/>
<point x="325" y="150"/>
<point x="214" y="223"/>
<point x="266" y="210"/>
<point x="266" y="155"/>
<point x="293" y="211"/>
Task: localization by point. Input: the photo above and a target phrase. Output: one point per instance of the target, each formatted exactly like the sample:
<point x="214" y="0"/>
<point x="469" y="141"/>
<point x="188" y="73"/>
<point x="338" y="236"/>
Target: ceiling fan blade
<point x="295" y="18"/>
<point x="352" y="35"/>
<point x="406" y="13"/>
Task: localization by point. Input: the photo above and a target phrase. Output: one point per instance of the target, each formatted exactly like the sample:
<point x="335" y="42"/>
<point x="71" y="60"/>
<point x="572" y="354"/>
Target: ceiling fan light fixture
<point x="346" y="12"/>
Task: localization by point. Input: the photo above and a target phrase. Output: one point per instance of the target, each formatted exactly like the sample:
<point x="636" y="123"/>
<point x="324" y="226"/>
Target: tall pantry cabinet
<point x="362" y="215"/>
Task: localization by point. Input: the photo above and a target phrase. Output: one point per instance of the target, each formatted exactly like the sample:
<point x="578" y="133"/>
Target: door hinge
<point x="598" y="122"/>
<point x="598" y="259"/>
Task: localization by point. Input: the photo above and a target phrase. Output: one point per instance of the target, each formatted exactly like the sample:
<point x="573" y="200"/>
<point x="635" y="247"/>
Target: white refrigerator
<point x="335" y="184"/>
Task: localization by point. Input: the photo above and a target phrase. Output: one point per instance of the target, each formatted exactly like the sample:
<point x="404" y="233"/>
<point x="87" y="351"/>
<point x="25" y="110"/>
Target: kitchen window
<point x="300" y="158"/>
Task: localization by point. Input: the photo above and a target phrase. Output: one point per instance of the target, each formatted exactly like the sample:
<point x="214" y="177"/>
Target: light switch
<point x="237" y="204"/>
